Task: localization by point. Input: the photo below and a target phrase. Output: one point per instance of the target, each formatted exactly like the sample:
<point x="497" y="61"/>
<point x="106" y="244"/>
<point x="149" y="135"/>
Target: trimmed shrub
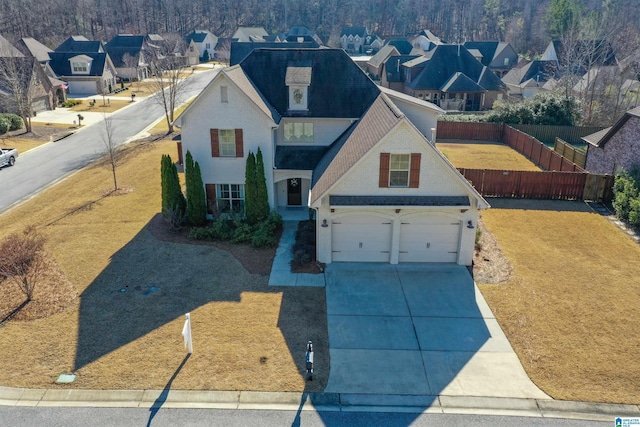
<point x="243" y="232"/>
<point x="5" y="124"/>
<point x="626" y="199"/>
<point x="264" y="236"/>
<point x="15" y="121"/>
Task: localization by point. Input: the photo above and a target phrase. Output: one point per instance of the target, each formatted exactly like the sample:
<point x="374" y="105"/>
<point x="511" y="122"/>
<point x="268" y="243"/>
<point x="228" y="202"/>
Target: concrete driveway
<point x="417" y="329"/>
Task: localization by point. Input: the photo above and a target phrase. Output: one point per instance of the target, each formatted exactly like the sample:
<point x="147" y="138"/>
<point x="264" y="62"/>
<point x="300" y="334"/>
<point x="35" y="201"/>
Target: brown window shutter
<point x="414" y="172"/>
<point x="385" y="159"/>
<point x="239" y="143"/>
<point x="215" y="143"/>
<point x="179" y="144"/>
<point x="211" y="198"/>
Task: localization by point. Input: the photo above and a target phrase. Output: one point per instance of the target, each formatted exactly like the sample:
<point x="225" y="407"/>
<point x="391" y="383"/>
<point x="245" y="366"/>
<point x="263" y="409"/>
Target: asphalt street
<point x="70" y="417"/>
<point x="38" y="169"/>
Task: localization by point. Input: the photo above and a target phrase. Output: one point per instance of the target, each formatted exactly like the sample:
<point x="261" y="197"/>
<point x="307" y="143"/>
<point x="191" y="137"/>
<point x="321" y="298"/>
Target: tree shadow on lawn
<point x="150" y="283"/>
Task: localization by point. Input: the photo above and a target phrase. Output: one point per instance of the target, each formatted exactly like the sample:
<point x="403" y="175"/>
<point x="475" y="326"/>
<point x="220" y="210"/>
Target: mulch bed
<point x="254" y="260"/>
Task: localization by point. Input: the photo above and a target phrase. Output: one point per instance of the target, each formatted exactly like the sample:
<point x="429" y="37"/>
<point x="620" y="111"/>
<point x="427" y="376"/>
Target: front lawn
<point x="570" y="309"/>
<point x="132" y="282"/>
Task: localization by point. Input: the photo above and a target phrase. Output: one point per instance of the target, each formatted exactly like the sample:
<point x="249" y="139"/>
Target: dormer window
<point x="298" y="80"/>
<point x="80" y="64"/>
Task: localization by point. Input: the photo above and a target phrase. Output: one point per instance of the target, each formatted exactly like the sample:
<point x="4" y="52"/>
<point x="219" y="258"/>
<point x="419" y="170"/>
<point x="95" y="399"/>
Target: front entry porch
<point x="292" y="195"/>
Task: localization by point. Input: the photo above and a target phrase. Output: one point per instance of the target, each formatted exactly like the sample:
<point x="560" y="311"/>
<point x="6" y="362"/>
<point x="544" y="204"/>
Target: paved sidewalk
<point x="281" y="274"/>
<point x="292" y="401"/>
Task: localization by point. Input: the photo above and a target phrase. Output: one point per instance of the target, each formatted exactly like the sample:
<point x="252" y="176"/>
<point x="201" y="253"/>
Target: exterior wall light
<point x="470" y="224"/>
<point x="324" y="223"/>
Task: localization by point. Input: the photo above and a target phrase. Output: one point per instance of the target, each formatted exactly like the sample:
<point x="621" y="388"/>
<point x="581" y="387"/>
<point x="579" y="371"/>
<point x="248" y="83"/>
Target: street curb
<point x="334" y="402"/>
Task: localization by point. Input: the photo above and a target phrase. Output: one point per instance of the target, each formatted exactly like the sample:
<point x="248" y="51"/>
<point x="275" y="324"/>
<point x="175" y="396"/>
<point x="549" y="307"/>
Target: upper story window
<point x="399" y="170"/>
<point x="227" y="143"/>
<point x="506" y="61"/>
<point x="298" y="132"/>
<point x="79" y="67"/>
<point x="224" y="96"/>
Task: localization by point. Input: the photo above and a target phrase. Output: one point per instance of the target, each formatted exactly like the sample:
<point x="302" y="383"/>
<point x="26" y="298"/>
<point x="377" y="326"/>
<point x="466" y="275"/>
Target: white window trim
<point x="397" y="169"/>
<point x="306" y="137"/>
<point x="230" y="199"/>
<point x="303" y="104"/>
<point x="223" y="143"/>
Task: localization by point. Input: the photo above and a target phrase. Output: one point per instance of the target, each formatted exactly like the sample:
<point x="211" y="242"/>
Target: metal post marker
<point x="309" y="360"/>
<point x="186" y="333"/>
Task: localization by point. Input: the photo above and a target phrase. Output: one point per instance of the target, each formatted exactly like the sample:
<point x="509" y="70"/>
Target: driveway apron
<point x="417" y="329"/>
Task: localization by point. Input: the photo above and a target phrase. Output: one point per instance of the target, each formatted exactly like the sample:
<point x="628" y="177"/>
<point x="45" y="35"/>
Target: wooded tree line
<point x="526" y="24"/>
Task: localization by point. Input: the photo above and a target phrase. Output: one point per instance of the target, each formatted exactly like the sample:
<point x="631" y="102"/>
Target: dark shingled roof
<point x="197" y="36"/>
<point x="600" y="51"/>
<point x="353" y="31"/>
<point x="461" y="83"/>
<point x="121" y="45"/>
<point x="80" y="44"/>
<point x="599" y="139"/>
<point x="406" y="200"/>
<point x="240" y="50"/>
<point x="445" y="61"/>
<point x="339" y="88"/>
<point x="538" y="70"/>
<point x="487" y="49"/>
<point x="392" y="67"/>
<point x="62" y="67"/>
<point x="298" y="157"/>
<point x="402" y="44"/>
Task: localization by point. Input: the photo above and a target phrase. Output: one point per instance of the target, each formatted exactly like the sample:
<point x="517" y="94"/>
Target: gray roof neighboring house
<point x="600" y="138"/>
<point x="245" y="34"/>
<point x="197" y="36"/>
<point x="32" y="47"/>
<point x="539" y="71"/>
<point x="125" y="44"/>
<point x="491" y="50"/>
<point x="393" y="69"/>
<point x="353" y="31"/>
<point x="383" y="54"/>
<point x="7" y="50"/>
<point x="401" y="43"/>
<point x="80" y="44"/>
<point x="240" y="50"/>
<point x="62" y="66"/>
<point x="447" y="60"/>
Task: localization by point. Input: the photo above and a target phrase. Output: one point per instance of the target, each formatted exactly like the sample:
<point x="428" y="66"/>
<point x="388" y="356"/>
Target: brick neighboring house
<point x="335" y="142"/>
<point x="612" y="150"/>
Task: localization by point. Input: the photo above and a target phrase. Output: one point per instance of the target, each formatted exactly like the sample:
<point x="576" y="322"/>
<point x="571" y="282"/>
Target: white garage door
<point x="80" y="88"/>
<point x="361" y="238"/>
<point x="429" y="239"/>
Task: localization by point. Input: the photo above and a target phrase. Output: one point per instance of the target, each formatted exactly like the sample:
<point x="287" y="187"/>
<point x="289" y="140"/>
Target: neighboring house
<point x="131" y="56"/>
<point x="528" y="79"/>
<point x="375" y="65"/>
<point x="372" y="44"/>
<point x="426" y="41"/>
<point x="80" y="44"/>
<point x="352" y="39"/>
<point x="617" y="148"/>
<point x="20" y="73"/>
<point x="450" y="77"/>
<point x="223" y="49"/>
<point x="579" y="56"/>
<point x="204" y="41"/>
<point x="250" y="34"/>
<point x="193" y="53"/>
<point x="500" y="57"/>
<point x="302" y="34"/>
<point x="335" y="142"/>
<point x="391" y="75"/>
<point x="33" y="48"/>
<point x="403" y="45"/>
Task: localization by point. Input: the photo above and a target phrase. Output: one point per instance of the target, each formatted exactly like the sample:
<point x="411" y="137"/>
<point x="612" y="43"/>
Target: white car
<point x="8" y="156"/>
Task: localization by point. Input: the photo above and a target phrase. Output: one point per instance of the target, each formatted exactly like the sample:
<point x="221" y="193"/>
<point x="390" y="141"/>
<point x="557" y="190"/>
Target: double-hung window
<point x="230" y="198"/>
<point x="399" y="167"/>
<point x="227" y="142"/>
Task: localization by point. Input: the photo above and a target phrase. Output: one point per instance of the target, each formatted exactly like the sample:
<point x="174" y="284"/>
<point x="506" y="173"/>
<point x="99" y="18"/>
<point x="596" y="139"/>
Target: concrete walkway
<point x="417" y="329"/>
<point x="281" y="274"/>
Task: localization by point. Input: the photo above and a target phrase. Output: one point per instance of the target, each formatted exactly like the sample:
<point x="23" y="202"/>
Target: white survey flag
<point x="186" y="333"/>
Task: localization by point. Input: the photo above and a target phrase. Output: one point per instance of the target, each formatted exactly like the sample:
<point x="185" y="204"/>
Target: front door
<point x="294" y="192"/>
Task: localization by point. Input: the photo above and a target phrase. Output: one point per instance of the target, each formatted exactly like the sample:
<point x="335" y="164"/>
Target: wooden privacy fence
<point x="537" y="152"/>
<point x="540" y="185"/>
<point x="470" y="130"/>
<point x="569" y="152"/>
<point x="548" y="133"/>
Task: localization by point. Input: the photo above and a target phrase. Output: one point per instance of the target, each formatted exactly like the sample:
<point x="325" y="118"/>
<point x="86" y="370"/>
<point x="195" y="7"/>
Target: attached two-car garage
<point x="369" y="238"/>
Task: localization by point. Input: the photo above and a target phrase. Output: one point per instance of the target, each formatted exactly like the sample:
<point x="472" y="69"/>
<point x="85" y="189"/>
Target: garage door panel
<point x="361" y="239"/>
<point x="429" y="239"/>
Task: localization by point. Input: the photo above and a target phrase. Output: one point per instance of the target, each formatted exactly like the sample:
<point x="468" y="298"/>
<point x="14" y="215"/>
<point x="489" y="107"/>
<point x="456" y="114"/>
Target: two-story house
<point x="362" y="157"/>
<point x="84" y="65"/>
<point x="500" y="57"/>
<point x="352" y="39"/>
<point x="203" y="41"/>
<point x="131" y="56"/>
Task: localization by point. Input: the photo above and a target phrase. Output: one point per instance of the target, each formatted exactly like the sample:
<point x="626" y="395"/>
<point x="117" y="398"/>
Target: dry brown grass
<point x="41" y="133"/>
<point x="571" y="308"/>
<point x="145" y="88"/>
<point x="485" y="155"/>
<point x="132" y="339"/>
<point x="106" y="106"/>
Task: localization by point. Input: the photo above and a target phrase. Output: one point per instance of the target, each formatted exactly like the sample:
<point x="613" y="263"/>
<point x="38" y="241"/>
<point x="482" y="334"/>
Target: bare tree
<point x="169" y="84"/>
<point x="21" y="82"/>
<point x="113" y="153"/>
<point x="22" y="259"/>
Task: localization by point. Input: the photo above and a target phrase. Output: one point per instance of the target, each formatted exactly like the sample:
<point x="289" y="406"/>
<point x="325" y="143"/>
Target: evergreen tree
<point x="164" y="182"/>
<point x="262" y="197"/>
<point x="199" y="202"/>
<point x="173" y="201"/>
<point x="250" y="189"/>
<point x="188" y="178"/>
